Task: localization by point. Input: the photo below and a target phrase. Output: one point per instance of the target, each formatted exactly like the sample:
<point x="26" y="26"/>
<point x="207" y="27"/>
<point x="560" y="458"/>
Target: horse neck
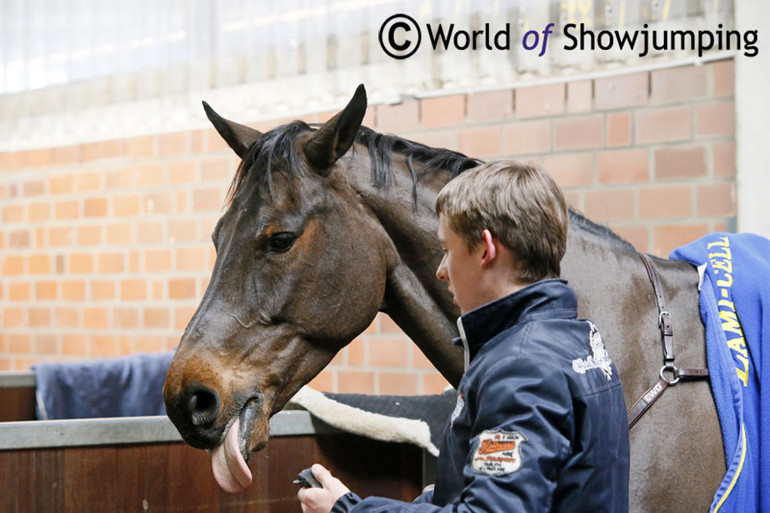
<point x="417" y="302"/>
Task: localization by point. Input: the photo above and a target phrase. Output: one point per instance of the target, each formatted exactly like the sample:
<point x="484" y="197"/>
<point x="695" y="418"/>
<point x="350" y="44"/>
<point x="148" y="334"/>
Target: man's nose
<point x="441" y="271"/>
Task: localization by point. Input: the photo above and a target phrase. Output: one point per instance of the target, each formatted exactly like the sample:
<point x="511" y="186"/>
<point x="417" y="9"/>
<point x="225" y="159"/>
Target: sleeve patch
<point x="498" y="452"/>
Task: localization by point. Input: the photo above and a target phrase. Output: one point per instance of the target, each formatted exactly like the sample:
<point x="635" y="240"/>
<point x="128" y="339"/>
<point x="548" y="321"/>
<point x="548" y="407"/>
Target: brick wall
<point x="105" y="247"/>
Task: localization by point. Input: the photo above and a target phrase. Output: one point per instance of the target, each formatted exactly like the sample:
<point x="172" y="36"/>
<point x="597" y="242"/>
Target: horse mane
<point x="276" y="148"/>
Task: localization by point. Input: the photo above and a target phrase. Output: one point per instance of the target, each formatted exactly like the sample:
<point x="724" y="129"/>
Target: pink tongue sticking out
<point x="230" y="469"/>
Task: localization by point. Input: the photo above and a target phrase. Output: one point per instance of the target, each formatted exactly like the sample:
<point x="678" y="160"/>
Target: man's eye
<point x="281" y="242"/>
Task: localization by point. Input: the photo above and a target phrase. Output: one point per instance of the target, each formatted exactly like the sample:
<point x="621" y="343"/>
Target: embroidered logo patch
<point x="498" y="453"/>
<point x="458" y="408"/>
<point x="600" y="359"/>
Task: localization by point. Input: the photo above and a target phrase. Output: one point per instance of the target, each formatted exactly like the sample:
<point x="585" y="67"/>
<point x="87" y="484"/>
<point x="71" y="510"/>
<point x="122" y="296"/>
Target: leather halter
<point x="669" y="374"/>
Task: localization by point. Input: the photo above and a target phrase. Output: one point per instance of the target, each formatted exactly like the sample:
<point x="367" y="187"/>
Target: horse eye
<point x="281" y="242"/>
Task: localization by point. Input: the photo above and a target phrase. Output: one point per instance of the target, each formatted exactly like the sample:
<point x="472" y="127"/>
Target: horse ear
<point x="337" y="135"/>
<point x="238" y="137"/>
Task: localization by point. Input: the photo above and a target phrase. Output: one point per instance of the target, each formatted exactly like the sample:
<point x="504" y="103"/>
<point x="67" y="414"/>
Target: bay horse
<point x="328" y="225"/>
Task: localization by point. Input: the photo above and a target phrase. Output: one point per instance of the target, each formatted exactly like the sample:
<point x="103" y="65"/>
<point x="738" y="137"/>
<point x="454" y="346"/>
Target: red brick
<point x="39" y="317"/>
<point x="216" y="169"/>
<point x="207" y="199"/>
<point x="682" y="83"/>
<point x="19" y="343"/>
<point x="419" y="360"/>
<point x="663" y="125"/>
<point x="73" y="290"/>
<point x="102" y="290"/>
<point x="119" y="234"/>
<point x="61" y="236"/>
<point x="60" y="184"/>
<point x="66" y="317"/>
<point x="181" y="288"/>
<point x="539" y="101"/>
<point x="626" y="90"/>
<point x="157" y="260"/>
<point x="724" y="158"/>
<point x="527" y="137"/>
<point x="157" y="318"/>
<point x="668" y="237"/>
<point x="40" y="158"/>
<point x="619" y="129"/>
<point x="81" y="263"/>
<point x="67" y="210"/>
<point x="110" y="263"/>
<point x="74" y="345"/>
<point x="580" y="95"/>
<point x="19" y="291"/>
<point x="639" y="236"/>
<point x="665" y="202"/>
<point x="34" y="188"/>
<point x="324" y="382"/>
<point x="387" y="324"/>
<point x="577" y="133"/>
<point x="388" y="352"/>
<point x="127" y="206"/>
<point x="182" y="316"/>
<point x="13" y="317"/>
<point x="19" y="239"/>
<point x="173" y="144"/>
<point x="716" y="199"/>
<point x="121" y="179"/>
<point x="397" y="117"/>
<point x="142" y="147"/>
<point x="149" y="175"/>
<point x="45" y="290"/>
<point x="96" y="318"/>
<point x="436" y="138"/>
<point x="604" y="205"/>
<point x="38" y="212"/>
<point x="398" y="383"/>
<point x="443" y="111"/>
<point x="46" y="345"/>
<point x="215" y="143"/>
<point x="66" y="155"/>
<point x="479" y="142"/>
<point x="624" y="166"/>
<point x="133" y="290"/>
<point x="433" y="383"/>
<point x="571" y="169"/>
<point x="680" y="162"/>
<point x="125" y="318"/>
<point x="104" y="346"/>
<point x="183" y="230"/>
<point x="355" y="382"/>
<point x="103" y="150"/>
<point x="95" y="207"/>
<point x="39" y="264"/>
<point x="724" y="77"/>
<point x="13" y="214"/>
<point x="490" y="106"/>
<point x="192" y="259"/>
<point x="150" y="232"/>
<point x="14" y="265"/>
<point x="715" y="119"/>
<point x="89" y="182"/>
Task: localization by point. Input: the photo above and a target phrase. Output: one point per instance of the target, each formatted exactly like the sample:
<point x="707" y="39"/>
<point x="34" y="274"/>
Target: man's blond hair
<point x="521" y="205"/>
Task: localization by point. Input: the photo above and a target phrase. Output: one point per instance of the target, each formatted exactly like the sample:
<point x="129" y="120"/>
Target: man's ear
<point x="490" y="249"/>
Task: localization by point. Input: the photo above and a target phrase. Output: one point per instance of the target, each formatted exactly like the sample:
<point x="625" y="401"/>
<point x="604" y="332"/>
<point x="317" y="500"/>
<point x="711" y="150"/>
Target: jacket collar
<point x="541" y="299"/>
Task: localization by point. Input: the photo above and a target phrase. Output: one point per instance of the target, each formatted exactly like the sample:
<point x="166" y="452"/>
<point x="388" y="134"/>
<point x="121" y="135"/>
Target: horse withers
<point x="327" y="225"/>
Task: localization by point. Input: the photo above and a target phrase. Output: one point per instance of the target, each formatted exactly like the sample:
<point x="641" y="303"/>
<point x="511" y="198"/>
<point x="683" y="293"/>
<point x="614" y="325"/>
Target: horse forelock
<point x="275" y="150"/>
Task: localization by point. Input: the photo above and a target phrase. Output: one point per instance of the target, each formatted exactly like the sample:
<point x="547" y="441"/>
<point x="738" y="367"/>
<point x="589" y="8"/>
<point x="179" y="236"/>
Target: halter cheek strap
<point x="669" y="374"/>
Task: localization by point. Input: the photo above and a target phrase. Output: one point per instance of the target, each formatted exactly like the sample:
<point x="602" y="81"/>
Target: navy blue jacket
<point x="540" y="423"/>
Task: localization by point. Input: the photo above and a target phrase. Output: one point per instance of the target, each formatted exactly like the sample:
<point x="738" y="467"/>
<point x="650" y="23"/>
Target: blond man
<point x="540" y="423"/>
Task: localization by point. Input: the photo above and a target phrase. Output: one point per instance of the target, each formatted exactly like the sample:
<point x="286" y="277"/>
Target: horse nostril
<point x="202" y="405"/>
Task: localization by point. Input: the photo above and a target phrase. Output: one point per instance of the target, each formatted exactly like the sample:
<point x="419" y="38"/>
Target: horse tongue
<point x="230" y="469"/>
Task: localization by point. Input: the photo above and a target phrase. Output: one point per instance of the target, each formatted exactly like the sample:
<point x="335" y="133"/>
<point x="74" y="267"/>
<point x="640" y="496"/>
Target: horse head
<point x="273" y="315"/>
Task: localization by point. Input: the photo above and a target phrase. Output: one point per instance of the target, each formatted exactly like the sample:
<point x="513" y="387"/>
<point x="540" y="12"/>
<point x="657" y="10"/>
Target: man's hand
<point x="321" y="500"/>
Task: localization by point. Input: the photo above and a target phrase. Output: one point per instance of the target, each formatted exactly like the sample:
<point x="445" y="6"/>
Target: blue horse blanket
<point x="111" y="387"/>
<point x="735" y="309"/>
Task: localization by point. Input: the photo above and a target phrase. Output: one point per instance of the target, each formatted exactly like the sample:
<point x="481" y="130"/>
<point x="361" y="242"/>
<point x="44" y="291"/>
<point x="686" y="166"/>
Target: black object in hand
<point x="306" y="479"/>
